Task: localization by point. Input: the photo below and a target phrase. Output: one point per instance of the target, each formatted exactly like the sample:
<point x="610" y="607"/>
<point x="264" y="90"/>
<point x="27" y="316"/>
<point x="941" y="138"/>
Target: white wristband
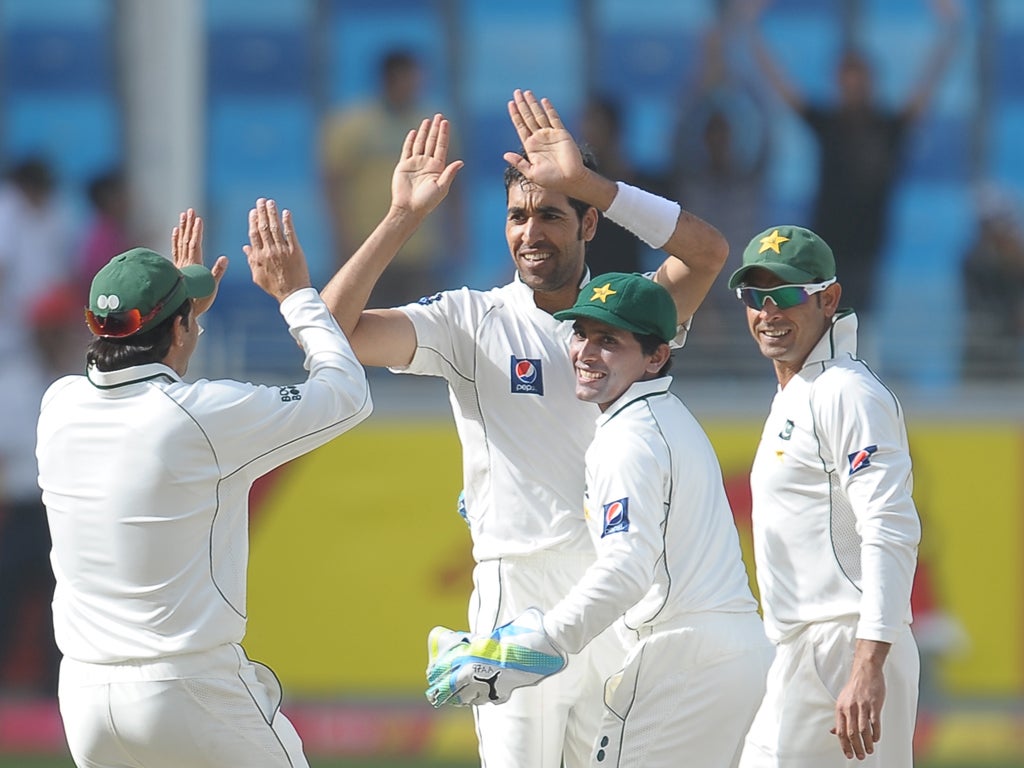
<point x="649" y="217"/>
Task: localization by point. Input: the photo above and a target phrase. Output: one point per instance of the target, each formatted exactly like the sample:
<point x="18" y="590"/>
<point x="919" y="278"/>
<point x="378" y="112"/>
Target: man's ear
<point x="178" y="330"/>
<point x="588" y="225"/>
<point x="659" y="358"/>
<point x="830" y="299"/>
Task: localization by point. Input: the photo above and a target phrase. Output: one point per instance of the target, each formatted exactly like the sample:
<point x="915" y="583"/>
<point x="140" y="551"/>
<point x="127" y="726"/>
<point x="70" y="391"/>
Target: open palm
<point x="423" y="175"/>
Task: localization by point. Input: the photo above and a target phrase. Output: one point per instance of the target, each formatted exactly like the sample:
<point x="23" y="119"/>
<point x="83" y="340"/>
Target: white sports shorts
<point x="202" y="710"/>
<point x="557" y="719"/>
<point x="686" y="693"/>
<point x="792" y="727"/>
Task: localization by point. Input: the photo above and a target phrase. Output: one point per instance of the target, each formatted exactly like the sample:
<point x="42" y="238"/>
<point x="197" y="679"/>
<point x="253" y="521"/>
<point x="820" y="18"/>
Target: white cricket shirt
<point x="523" y="432"/>
<point x="667" y="545"/>
<point x="835" y="526"/>
<point x="146" y="483"/>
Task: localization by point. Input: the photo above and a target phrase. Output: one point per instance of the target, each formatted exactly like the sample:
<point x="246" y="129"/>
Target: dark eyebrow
<point x="550" y="210"/>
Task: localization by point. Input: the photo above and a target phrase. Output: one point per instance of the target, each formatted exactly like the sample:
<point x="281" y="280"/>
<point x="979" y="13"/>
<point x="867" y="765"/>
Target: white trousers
<point x="687" y="694"/>
<point x="792" y="727"/>
<point x="202" y="710"/>
<point x="556" y="720"/>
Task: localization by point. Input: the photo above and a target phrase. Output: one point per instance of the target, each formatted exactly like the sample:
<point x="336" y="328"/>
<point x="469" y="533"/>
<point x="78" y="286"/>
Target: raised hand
<point x="276" y="259"/>
<point x="423" y="175"/>
<point x="553" y="158"/>
<point x="187" y="249"/>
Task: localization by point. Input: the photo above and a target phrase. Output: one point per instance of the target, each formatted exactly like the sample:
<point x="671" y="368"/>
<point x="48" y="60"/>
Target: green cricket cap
<point x="626" y="300"/>
<point x="794" y="254"/>
<point x="144" y="281"/>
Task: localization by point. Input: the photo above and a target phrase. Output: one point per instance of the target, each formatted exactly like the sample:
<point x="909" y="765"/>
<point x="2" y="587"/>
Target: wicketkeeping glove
<point x="465" y="669"/>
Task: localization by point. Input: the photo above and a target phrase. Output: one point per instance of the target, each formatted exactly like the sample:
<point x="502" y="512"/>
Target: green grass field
<point x="33" y="761"/>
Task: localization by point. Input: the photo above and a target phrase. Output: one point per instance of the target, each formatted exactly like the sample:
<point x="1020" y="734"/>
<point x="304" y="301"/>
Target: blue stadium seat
<point x="1006" y="150"/>
<point x="69" y="12"/>
<point x="939" y="150"/>
<point x="79" y="132"/>
<point x="252" y="139"/>
<point x="57" y="58"/>
<point x="359" y="33"/>
<point x="931" y="225"/>
<point x="58" y="83"/>
<point x="258" y="61"/>
<point x="806" y="42"/>
<point x="493" y="60"/>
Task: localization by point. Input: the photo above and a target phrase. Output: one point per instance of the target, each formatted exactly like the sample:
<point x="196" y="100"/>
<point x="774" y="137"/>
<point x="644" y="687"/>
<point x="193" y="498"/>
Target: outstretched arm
<point x="421" y="180"/>
<point x="938" y="61"/>
<point x="698" y="250"/>
<point x="766" y="60"/>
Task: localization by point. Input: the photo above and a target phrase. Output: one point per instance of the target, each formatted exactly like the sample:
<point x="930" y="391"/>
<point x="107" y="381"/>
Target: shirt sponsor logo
<point x="787" y="431"/>
<point x="527" y="377"/>
<point x="289" y="393"/>
<point x="861" y="459"/>
<point x="616" y="517"/>
<point x="429" y="299"/>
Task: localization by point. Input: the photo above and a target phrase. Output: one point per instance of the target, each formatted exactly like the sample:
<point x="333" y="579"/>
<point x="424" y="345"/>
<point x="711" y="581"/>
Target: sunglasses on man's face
<point x="782" y="296"/>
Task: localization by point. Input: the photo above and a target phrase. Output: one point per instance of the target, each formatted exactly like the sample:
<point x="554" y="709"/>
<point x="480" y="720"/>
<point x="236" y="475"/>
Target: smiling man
<point x="668" y="575"/>
<point x="505" y="359"/>
<point x="835" y="527"/>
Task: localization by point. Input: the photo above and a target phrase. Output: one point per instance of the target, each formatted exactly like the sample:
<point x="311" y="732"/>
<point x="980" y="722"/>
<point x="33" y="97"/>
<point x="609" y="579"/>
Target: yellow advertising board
<point x="358" y="551"/>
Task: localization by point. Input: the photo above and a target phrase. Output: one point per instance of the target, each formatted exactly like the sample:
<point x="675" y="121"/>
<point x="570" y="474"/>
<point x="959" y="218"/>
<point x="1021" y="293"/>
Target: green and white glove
<point x="464" y="669"/>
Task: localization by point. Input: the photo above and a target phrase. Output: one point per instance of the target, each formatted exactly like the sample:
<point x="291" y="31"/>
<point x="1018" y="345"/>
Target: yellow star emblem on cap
<point x="603" y="293"/>
<point x="773" y="241"/>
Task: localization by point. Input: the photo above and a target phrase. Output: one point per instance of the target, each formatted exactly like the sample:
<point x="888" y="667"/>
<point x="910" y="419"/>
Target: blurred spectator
<point x="993" y="284"/>
<point x="613" y="248"/>
<point x="721" y="150"/>
<point x="360" y="144"/>
<point x="861" y="143"/>
<point x="33" y="259"/>
<point x="108" y="231"/>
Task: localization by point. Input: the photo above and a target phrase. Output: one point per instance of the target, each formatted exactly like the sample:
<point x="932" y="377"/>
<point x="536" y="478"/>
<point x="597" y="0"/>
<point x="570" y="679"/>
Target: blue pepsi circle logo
<point x="526" y="371"/>
<point x="613" y="513"/>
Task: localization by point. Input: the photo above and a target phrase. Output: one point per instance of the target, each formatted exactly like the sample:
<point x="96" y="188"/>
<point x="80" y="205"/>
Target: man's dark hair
<point x="104" y="187"/>
<point x="649" y="344"/>
<point x="34" y="175"/>
<point x="397" y="60"/>
<point x="151" y="346"/>
<point x="514" y="176"/>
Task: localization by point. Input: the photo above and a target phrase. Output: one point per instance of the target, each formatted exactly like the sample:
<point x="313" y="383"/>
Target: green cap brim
<point x="785" y="272"/>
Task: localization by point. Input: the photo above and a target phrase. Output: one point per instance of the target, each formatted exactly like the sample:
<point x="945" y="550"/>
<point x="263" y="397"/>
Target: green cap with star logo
<point x="626" y="300"/>
<point x="794" y="254"/>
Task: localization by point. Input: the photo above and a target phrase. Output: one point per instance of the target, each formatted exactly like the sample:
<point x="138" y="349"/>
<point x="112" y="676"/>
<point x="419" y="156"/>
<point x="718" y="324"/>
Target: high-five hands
<point x="423" y="176"/>
<point x="553" y="158"/>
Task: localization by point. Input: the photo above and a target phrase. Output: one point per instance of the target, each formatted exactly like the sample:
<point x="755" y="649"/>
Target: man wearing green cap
<point x="146" y="481"/>
<point x="835" y="526"/>
<point x="669" y="574"/>
<point x="504" y="357"/>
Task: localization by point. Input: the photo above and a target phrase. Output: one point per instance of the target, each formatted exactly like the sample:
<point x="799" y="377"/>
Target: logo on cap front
<point x="111" y="302"/>
<point x="603" y="293"/>
<point x="527" y="377"/>
<point x="772" y="242"/>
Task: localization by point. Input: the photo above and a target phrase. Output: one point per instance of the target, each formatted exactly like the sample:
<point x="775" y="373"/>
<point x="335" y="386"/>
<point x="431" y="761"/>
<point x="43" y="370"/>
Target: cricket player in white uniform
<point x="146" y="481"/>
<point x="835" y="527"/>
<point x="669" y="569"/>
<point x="505" y="358"/>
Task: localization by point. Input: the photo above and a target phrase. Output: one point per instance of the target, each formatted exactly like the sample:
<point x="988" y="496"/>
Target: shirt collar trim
<point x="133" y="375"/>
